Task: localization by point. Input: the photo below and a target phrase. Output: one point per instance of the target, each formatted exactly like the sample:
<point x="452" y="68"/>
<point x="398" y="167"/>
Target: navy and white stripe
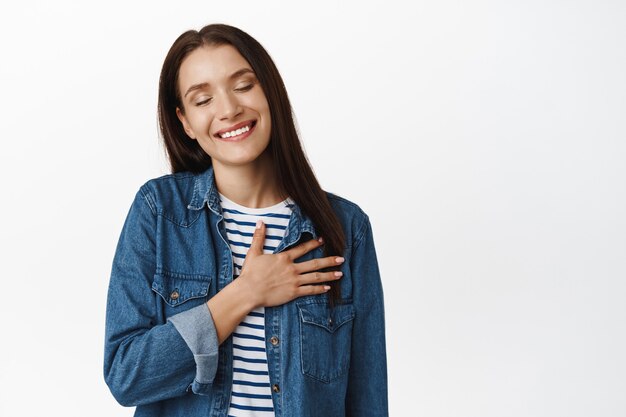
<point x="251" y="393"/>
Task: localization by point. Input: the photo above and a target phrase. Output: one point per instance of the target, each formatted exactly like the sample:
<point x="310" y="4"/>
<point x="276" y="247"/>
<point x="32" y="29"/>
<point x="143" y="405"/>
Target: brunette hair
<point x="292" y="169"/>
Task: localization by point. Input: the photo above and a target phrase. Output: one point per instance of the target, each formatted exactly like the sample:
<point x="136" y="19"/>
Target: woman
<point x="239" y="287"/>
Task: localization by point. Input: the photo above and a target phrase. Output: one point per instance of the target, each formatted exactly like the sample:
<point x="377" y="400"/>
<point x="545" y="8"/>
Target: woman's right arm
<point x="145" y="362"/>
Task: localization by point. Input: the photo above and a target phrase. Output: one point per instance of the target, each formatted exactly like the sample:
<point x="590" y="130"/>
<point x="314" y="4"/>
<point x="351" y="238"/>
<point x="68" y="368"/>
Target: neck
<point x="252" y="185"/>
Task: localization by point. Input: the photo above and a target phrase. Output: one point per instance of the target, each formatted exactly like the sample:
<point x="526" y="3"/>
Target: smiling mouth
<point x="235" y="133"/>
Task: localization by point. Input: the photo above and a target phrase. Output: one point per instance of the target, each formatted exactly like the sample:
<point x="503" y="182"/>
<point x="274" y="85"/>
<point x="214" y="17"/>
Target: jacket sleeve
<point x="367" y="380"/>
<point x="145" y="362"/>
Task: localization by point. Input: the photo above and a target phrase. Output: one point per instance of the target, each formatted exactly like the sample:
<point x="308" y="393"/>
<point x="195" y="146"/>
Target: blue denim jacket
<point x="161" y="351"/>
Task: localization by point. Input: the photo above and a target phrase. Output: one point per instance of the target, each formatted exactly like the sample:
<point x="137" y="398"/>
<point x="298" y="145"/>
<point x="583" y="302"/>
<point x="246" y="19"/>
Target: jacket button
<point x="274" y="340"/>
<point x="174" y="295"/>
<point x="275" y="388"/>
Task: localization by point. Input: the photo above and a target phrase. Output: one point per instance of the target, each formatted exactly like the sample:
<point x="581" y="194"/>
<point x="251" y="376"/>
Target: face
<point x="224" y="107"/>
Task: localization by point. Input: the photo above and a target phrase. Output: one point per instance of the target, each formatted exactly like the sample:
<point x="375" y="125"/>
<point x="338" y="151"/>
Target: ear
<point x="183" y="120"/>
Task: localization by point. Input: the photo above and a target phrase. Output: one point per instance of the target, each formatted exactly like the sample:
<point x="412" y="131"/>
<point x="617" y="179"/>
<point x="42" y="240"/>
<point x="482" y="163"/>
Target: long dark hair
<point x="293" y="172"/>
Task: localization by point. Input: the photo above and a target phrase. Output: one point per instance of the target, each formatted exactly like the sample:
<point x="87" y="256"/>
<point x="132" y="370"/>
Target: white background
<point x="485" y="139"/>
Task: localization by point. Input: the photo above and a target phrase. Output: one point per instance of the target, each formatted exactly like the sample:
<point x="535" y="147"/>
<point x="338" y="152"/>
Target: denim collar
<point x="205" y="192"/>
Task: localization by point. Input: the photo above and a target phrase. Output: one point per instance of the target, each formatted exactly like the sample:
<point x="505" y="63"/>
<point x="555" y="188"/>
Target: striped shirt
<point x="251" y="394"/>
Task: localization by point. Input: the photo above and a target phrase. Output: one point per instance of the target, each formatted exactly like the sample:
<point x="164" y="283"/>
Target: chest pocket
<point x="181" y="292"/>
<point x="325" y="339"/>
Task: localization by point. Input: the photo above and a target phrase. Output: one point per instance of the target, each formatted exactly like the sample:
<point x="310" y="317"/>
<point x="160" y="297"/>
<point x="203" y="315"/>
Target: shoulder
<point x="169" y="195"/>
<point x="354" y="220"/>
<point x="171" y="186"/>
<point x="170" y="182"/>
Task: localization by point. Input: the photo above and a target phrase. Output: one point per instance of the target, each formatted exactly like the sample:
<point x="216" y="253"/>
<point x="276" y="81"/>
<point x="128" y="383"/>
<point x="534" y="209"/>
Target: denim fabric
<point x="161" y="352"/>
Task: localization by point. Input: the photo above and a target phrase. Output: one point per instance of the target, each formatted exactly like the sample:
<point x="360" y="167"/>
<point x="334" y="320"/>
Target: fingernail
<point x="321" y="240"/>
<point x="338" y="273"/>
<point x="339" y="259"/>
<point x="327" y="287"/>
<point x="259" y="223"/>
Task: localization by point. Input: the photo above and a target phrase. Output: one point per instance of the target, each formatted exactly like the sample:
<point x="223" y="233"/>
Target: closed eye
<point x="203" y="102"/>
<point x="247" y="87"/>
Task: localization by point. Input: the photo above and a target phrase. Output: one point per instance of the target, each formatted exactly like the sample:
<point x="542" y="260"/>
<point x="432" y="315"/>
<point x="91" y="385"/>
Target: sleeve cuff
<point x="198" y="330"/>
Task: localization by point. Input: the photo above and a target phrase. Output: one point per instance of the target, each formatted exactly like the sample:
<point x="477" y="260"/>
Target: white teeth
<point x="235" y="132"/>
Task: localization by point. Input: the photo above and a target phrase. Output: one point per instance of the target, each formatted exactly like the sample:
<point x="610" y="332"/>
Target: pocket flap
<point x="323" y="315"/>
<point x="176" y="290"/>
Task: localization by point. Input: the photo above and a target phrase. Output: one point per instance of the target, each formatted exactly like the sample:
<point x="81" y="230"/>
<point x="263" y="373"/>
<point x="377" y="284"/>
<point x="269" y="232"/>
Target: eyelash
<point x="242" y="89"/>
<point x="245" y="87"/>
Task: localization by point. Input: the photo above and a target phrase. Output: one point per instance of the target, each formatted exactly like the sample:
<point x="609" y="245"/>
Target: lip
<point x="234" y="127"/>
<point x="240" y="137"/>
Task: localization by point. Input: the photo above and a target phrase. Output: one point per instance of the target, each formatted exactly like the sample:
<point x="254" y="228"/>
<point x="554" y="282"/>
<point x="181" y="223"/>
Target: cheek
<point x="266" y="115"/>
<point x="259" y="102"/>
<point x="200" y="121"/>
<point x="267" y="124"/>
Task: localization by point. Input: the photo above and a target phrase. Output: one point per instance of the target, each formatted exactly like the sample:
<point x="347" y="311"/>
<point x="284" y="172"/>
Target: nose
<point x="227" y="106"/>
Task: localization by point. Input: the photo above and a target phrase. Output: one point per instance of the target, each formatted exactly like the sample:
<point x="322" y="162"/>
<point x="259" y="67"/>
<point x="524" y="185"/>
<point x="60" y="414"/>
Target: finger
<point x="258" y="239"/>
<point x="318" y="263"/>
<point x="319" y="277"/>
<point x="301" y="249"/>
<point x="312" y="290"/>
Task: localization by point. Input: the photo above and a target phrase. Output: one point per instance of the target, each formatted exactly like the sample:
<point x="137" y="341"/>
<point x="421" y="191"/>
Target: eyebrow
<point x="232" y="76"/>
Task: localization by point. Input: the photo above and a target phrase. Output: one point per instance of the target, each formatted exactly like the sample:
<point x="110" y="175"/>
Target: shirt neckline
<point x="276" y="207"/>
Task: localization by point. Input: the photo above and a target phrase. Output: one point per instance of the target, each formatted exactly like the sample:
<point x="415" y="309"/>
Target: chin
<point x="238" y="161"/>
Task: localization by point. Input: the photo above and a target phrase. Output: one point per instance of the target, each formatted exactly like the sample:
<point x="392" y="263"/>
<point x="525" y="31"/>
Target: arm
<point x="268" y="280"/>
<point x="367" y="383"/>
<point x="144" y="362"/>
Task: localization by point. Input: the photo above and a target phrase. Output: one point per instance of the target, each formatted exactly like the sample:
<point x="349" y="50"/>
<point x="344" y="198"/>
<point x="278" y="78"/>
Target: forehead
<point x="210" y="64"/>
